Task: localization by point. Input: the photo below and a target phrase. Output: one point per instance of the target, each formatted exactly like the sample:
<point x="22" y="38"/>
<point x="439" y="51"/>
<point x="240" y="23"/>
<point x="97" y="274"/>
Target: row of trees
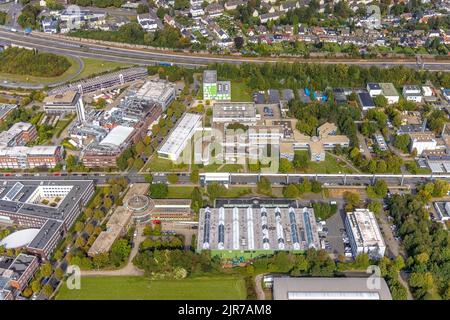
<point x="320" y="76"/>
<point x="132" y="33"/>
<point x="295" y="190"/>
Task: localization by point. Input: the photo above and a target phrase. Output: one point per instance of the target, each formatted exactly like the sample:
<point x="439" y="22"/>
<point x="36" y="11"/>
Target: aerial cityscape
<point x="224" y="150"/>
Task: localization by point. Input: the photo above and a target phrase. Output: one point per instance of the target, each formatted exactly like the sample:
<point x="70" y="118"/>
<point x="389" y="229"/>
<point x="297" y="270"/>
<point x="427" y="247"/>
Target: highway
<point x="143" y="56"/>
<point x="250" y="179"/>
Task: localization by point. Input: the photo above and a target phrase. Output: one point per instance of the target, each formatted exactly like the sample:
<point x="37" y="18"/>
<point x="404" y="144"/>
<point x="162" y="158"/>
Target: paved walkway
<point x="258" y="287"/>
<point x="130" y="269"/>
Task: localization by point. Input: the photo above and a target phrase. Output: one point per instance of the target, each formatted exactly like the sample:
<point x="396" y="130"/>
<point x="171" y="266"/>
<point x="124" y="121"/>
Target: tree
<point x="172" y="178"/>
<point x="264" y="186"/>
<point x="79" y="226"/>
<point x="196" y="200"/>
<point x="194" y="176"/>
<point x="46" y="270"/>
<point x="301" y="160"/>
<point x="402" y="142"/>
<point x="142" y="8"/>
<point x="285" y="166"/>
<point x="291" y="191"/>
<point x="214" y="191"/>
<point x="379" y="190"/>
<point x="120" y="250"/>
<point x="316" y="186"/>
<point x="238" y="42"/>
<point x="352" y="200"/>
<point x="47" y="290"/>
<point x="159" y="190"/>
<point x="36" y="286"/>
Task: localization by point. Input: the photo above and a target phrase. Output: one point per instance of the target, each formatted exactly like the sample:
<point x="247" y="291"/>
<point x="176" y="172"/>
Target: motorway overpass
<point x="140" y="56"/>
<point x="241" y="178"/>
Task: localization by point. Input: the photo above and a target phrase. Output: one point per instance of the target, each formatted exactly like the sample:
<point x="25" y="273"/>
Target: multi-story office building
<point x="30" y="157"/>
<point x="18" y="135"/>
<point x="364" y="233"/>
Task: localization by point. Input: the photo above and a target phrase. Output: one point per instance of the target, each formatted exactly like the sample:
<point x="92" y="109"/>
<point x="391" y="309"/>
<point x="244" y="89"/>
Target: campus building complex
<point x="253" y="227"/>
<point x="51" y="206"/>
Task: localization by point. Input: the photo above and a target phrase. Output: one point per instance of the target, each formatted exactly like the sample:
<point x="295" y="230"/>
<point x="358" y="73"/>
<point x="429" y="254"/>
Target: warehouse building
<point x="364" y="233"/>
<point x="288" y="288"/>
<point x="178" y="138"/>
<point x="213" y="89"/>
<point x="51" y="206"/>
<point x="249" y="228"/>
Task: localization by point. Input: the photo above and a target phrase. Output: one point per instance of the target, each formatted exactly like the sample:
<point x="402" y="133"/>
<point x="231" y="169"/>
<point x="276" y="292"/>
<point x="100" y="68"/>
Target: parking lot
<point x="334" y="228"/>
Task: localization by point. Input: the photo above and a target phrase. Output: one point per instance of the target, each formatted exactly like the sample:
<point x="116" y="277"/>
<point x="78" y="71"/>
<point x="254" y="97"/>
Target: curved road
<point x="144" y="56"/>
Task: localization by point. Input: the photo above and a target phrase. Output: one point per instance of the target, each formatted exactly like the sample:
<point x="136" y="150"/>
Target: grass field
<point x="240" y="92"/>
<point x="163" y="165"/>
<point x="66" y="76"/>
<point x="180" y="192"/>
<point x="330" y="165"/>
<point x="140" y="288"/>
<point x="91" y="67"/>
<point x="94" y="66"/>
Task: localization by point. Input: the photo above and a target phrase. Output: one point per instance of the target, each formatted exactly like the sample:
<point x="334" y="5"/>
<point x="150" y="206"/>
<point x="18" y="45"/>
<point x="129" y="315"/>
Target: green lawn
<point x="66" y="76"/>
<point x="330" y="165"/>
<point x="140" y="288"/>
<point x="94" y="66"/>
<point x="156" y="164"/>
<point x="180" y="192"/>
<point x="236" y="192"/>
<point x="240" y="92"/>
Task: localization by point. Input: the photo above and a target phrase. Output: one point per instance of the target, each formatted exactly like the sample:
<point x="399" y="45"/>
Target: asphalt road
<point x="58" y="45"/>
<point x="329" y="180"/>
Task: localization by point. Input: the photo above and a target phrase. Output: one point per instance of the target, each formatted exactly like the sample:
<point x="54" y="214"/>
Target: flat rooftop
<point x="388" y="89"/>
<point x="67" y="97"/>
<point x="287" y="288"/>
<point x="180" y="134"/>
<point x="209" y="76"/>
<point x="365" y="228"/>
<point x="21" y="204"/>
<point x="263" y="228"/>
<point x="234" y="110"/>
